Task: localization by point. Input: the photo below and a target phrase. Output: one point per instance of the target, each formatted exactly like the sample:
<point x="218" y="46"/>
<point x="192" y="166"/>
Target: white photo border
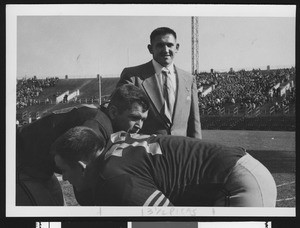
<point x="13" y="11"/>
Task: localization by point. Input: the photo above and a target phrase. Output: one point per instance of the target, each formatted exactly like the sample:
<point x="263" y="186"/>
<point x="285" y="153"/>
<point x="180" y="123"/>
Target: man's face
<point x="130" y="120"/>
<point x="75" y="175"/>
<point x="163" y="49"/>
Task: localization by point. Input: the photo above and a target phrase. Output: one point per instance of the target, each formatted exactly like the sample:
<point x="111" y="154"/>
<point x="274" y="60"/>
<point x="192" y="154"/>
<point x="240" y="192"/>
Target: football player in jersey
<point x="158" y="170"/>
<point x="36" y="181"/>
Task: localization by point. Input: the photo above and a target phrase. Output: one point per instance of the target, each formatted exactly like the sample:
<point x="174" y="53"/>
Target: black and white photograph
<point x="151" y="110"/>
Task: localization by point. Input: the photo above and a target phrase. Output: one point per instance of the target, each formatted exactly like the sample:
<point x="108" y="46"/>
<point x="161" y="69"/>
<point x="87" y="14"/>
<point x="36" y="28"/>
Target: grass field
<point x="276" y="150"/>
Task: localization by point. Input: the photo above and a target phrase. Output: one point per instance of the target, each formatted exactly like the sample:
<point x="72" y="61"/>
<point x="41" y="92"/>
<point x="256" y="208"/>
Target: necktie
<point x="168" y="93"/>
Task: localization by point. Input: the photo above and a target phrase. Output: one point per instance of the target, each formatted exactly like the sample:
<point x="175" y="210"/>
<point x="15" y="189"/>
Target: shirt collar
<point x="159" y="67"/>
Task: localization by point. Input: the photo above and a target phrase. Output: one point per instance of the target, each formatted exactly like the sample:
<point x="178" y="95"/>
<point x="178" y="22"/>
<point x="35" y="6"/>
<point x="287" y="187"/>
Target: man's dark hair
<point x="124" y="96"/>
<point x="77" y="144"/>
<point x="162" y="31"/>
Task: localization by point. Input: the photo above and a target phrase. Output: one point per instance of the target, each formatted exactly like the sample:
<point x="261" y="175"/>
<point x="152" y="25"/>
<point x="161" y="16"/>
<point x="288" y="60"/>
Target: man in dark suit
<point x="173" y="92"/>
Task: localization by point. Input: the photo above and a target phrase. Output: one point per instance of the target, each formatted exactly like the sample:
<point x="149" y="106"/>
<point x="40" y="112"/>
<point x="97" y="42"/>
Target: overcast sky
<point x="84" y="43"/>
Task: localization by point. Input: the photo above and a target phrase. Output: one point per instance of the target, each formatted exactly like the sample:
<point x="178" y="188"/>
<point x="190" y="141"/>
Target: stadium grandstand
<point x="242" y="100"/>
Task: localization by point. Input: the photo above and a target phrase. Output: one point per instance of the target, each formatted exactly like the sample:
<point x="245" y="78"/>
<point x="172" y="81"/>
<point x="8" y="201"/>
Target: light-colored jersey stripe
<point x="151" y="197"/>
<point x="167" y="203"/>
<point x="159" y="200"/>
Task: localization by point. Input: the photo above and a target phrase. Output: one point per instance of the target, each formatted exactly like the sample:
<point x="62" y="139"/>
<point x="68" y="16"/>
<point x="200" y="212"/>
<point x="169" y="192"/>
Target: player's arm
<point x="157" y="198"/>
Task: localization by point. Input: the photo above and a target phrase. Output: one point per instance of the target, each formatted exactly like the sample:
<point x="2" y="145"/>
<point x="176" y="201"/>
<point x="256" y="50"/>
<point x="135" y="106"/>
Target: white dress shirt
<point x="158" y="68"/>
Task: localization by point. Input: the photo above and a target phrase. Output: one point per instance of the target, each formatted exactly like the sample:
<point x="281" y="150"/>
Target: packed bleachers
<point x="29" y="89"/>
<point x="246" y="88"/>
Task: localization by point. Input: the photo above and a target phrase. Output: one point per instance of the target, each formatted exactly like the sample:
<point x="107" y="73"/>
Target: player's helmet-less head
<point x="128" y="108"/>
<point x="124" y="96"/>
<point x="73" y="151"/>
<point x="78" y="144"/>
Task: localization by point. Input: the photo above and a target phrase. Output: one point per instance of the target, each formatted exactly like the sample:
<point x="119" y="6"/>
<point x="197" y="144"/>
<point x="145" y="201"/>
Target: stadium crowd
<point x="29" y="89"/>
<point x="241" y="88"/>
<point x="247" y="88"/>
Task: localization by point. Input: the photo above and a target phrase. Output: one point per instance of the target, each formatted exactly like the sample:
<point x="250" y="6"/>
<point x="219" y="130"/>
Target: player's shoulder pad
<point x="65" y="110"/>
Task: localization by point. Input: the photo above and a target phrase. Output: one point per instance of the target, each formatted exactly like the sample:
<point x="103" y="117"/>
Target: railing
<point x="222" y="111"/>
<point x="263" y="123"/>
<point x="249" y="111"/>
<point x="81" y="101"/>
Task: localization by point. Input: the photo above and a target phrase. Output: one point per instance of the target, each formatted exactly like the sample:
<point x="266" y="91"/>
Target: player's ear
<point x="177" y="47"/>
<point x="150" y="48"/>
<point x="112" y="111"/>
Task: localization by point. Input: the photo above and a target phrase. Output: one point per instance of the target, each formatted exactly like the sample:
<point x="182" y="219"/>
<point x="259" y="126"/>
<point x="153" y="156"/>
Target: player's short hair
<point x="162" y="31"/>
<point x="124" y="96"/>
<point x="77" y="144"/>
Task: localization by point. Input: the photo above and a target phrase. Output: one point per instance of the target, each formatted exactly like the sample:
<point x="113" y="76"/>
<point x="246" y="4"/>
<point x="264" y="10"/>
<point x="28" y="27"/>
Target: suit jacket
<point x="186" y="117"/>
